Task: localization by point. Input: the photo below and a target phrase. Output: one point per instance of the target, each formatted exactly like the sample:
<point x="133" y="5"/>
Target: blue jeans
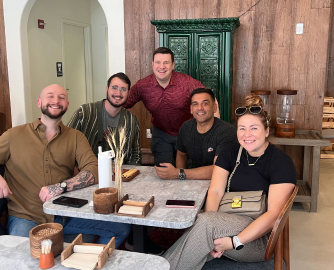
<point x="105" y="229"/>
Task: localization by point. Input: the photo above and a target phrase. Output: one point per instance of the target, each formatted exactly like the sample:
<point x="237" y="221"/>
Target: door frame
<point x="107" y="49"/>
<point x="88" y="56"/>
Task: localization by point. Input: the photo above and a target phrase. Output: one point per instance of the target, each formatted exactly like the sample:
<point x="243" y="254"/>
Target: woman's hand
<point x="216" y="254"/>
<point x="221" y="244"/>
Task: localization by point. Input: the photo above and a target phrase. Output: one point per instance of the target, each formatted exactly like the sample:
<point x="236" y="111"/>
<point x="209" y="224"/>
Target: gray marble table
<point x="15" y="254"/>
<point x="141" y="188"/>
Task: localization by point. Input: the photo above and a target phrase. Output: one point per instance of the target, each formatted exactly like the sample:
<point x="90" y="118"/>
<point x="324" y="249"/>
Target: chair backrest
<point x="2" y="123"/>
<point x="279" y="225"/>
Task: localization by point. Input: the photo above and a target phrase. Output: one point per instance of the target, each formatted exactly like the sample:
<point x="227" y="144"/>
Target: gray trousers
<point x="191" y="251"/>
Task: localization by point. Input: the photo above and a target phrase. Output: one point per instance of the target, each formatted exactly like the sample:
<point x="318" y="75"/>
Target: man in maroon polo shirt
<point x="166" y="95"/>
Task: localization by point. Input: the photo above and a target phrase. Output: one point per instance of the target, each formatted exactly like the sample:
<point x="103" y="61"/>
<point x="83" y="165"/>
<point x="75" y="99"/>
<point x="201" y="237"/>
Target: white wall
<point x="99" y="50"/>
<point x="45" y="45"/>
<point x="16" y="15"/>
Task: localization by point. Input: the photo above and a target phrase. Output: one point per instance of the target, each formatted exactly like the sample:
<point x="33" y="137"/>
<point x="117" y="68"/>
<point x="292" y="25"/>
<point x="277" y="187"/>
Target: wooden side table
<point x="311" y="140"/>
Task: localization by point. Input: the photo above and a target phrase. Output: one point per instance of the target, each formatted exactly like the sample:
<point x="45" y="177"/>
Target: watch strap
<point x="182" y="175"/>
<point x="238" y="244"/>
<point x="232" y="242"/>
<point x="64" y="188"/>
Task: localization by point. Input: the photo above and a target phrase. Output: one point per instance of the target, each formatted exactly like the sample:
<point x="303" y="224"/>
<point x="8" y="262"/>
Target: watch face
<point x="239" y="247"/>
<point x="182" y="176"/>
<point x="63" y="185"/>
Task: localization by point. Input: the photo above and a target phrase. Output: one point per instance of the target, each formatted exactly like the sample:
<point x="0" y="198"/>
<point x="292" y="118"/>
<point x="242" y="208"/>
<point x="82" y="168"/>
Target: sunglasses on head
<point x="253" y="110"/>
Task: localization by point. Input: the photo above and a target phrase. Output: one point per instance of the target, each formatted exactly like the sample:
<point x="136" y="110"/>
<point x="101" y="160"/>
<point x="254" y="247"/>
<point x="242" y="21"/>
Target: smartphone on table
<point x="69" y="201"/>
<point x="180" y="204"/>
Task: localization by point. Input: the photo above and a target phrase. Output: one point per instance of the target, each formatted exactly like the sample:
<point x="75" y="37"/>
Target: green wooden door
<point x="200" y="55"/>
<point x="208" y="59"/>
<point x="203" y="50"/>
<point x="181" y="45"/>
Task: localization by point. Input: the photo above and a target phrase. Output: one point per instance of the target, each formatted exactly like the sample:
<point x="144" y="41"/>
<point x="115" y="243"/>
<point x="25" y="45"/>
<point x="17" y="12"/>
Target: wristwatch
<point x="63" y="185"/>
<point x="238" y="244"/>
<point x="182" y="175"/>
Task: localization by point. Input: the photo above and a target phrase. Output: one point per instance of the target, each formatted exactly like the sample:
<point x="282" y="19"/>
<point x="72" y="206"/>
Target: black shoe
<point x="152" y="247"/>
<point x="129" y="242"/>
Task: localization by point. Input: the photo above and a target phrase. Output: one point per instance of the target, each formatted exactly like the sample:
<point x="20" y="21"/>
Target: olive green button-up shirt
<point x="31" y="162"/>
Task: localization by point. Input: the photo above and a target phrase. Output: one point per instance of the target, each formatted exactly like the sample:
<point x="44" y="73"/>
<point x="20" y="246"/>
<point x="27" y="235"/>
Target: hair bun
<point x="253" y="100"/>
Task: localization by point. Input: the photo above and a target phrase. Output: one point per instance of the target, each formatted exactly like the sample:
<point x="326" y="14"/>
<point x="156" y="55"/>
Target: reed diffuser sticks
<point x="116" y="141"/>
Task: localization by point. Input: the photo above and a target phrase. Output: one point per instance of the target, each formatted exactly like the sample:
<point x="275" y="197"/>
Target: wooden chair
<point x="278" y="245"/>
<point x="3" y="202"/>
<point x="2" y="123"/>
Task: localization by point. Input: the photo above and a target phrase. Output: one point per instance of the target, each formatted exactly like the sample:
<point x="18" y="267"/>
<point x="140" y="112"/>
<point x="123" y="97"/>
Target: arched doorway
<point x="16" y="14"/>
<point x="70" y="50"/>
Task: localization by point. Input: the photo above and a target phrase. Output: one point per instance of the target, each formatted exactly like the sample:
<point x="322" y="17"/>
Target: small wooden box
<point x="147" y="206"/>
<point x="124" y="179"/>
<point x="103" y="257"/>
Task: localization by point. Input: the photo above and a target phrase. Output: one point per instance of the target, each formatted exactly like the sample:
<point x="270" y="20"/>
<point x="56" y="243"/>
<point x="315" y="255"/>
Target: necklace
<point x="254" y="162"/>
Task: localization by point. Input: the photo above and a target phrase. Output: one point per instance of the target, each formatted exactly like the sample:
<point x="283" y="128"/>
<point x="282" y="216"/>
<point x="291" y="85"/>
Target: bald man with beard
<point x="39" y="160"/>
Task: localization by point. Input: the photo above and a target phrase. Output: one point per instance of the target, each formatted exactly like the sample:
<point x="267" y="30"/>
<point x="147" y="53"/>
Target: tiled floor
<point x="312" y="234"/>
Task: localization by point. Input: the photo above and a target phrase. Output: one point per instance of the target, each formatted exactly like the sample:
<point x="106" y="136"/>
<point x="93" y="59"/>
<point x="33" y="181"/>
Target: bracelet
<point x="232" y="242"/>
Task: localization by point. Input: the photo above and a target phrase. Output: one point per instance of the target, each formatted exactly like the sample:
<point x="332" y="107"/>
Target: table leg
<point x="315" y="179"/>
<point x="139" y="236"/>
<point x="306" y="165"/>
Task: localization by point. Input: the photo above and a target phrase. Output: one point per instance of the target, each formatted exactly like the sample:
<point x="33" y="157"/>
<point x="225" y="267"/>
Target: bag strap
<point x="236" y="165"/>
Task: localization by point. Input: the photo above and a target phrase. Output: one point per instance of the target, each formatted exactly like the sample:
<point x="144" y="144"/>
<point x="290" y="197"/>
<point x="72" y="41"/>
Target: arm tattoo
<point x="82" y="180"/>
<point x="54" y="189"/>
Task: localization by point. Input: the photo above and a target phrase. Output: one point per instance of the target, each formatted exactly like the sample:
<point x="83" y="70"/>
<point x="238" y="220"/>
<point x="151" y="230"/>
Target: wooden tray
<point x="126" y="179"/>
<point x="103" y="257"/>
<point x="147" y="206"/>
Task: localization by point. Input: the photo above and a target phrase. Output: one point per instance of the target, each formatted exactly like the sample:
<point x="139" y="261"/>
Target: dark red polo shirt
<point x="170" y="107"/>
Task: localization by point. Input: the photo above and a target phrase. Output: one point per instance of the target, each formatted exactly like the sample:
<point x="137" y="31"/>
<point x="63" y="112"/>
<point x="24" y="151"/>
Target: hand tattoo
<point x="54" y="189"/>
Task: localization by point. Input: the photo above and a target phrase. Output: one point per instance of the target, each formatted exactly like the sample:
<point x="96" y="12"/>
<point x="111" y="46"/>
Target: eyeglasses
<point x="253" y="110"/>
<point x="115" y="88"/>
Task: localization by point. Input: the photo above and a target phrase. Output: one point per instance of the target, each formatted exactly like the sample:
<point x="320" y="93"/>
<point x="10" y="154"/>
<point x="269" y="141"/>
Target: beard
<point x="116" y="105"/>
<point x="45" y="111"/>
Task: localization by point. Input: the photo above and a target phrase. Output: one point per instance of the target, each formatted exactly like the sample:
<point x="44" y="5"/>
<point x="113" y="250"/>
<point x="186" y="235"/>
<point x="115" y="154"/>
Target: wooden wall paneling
<point x="243" y="58"/>
<point x="267" y="52"/>
<point x="162" y="12"/>
<point x="147" y="36"/>
<point x="317" y="65"/>
<point x="233" y="8"/>
<point x="229" y="8"/>
<point x="4" y="83"/>
<point x="283" y="28"/>
<point x="321" y="4"/>
<point x="329" y="90"/>
<point x="135" y="63"/>
<point x="299" y="51"/>
<point x="211" y="10"/>
<point x="245" y="5"/>
<point x="195" y="9"/>
<point x="265" y="13"/>
<point x="300" y="114"/>
<point x="280" y="53"/>
<point x="177" y="10"/>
